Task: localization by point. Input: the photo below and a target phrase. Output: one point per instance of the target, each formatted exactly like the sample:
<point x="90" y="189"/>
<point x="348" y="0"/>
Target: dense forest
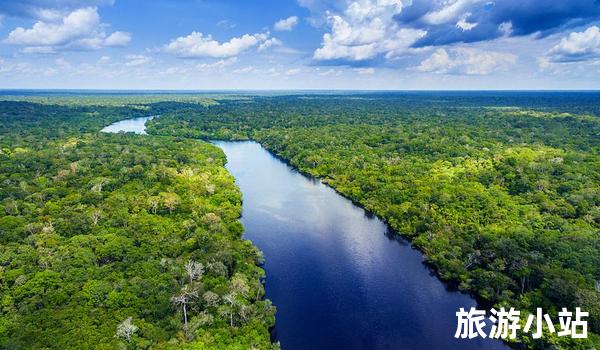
<point x="126" y="241"/>
<point x="500" y="192"/>
<point x="120" y="241"/>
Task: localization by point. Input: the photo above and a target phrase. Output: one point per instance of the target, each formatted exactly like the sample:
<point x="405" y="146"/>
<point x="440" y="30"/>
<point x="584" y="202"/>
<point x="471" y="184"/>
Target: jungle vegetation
<point x="129" y="241"/>
<point x="112" y="241"/>
<point x="501" y="192"/>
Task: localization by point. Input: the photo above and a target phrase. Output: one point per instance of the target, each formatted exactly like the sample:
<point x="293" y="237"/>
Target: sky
<point x="300" y="44"/>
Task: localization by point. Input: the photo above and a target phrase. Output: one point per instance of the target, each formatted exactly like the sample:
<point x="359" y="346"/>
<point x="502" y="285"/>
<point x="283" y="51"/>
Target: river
<point x="135" y="125"/>
<point x="338" y="277"/>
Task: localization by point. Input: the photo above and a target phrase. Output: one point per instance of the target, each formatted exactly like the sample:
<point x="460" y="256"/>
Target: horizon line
<point x="3" y="90"/>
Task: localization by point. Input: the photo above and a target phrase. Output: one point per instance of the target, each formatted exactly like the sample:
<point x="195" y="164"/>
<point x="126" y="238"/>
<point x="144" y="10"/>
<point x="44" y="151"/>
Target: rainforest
<point x="121" y="240"/>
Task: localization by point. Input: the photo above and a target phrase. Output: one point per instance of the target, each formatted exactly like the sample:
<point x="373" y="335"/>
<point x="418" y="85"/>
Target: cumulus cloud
<point x="446" y="21"/>
<point x="46" y="9"/>
<point x="198" y="45"/>
<point x="467" y="61"/>
<point x="79" y="29"/>
<point x="366" y="30"/>
<point x="76" y="25"/>
<point x="443" y="22"/>
<point x="439" y="62"/>
<point x="117" y="39"/>
<point x="577" y="46"/>
<point x="286" y="24"/>
<point x="269" y="43"/>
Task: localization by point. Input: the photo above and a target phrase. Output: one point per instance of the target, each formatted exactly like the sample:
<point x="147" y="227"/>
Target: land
<point x="104" y="239"/>
<point x="500" y="191"/>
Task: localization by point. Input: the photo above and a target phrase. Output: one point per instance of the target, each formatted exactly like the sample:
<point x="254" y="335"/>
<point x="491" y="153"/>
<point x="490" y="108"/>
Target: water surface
<point x="135" y="125"/>
<point x="337" y="276"/>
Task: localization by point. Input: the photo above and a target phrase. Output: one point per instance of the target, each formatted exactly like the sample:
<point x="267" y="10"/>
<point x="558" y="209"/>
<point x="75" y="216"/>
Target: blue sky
<point x="300" y="44"/>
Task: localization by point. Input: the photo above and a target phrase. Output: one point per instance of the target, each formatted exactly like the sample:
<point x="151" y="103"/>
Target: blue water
<point x="135" y="125"/>
<point x="337" y="276"/>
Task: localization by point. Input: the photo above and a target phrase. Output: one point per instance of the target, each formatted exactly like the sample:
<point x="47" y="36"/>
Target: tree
<point x="170" y="201"/>
<point x="126" y="329"/>
<point x="95" y="215"/>
<point x="231" y="307"/>
<point x="194" y="270"/>
<point x="185" y="296"/>
<point x="154" y="202"/>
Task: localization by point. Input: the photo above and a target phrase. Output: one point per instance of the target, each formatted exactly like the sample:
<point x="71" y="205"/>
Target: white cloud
<point x="46" y="14"/>
<point x="269" y="43"/>
<point x="467" y="61"/>
<point x="286" y="24"/>
<point x="44" y="50"/>
<point x="76" y="25"/>
<point x="137" y="60"/>
<point x="439" y="62"/>
<point x="197" y="45"/>
<point x="365" y="30"/>
<point x="227" y="24"/>
<point x="577" y="46"/>
<point x="365" y="71"/>
<point x="19" y="68"/>
<point x="464" y="24"/>
<point x="449" y="12"/>
<point x="329" y="72"/>
<point x="104" y="59"/>
<point x="217" y="65"/>
<point x="79" y="29"/>
<point x="506" y="28"/>
<point x="118" y="39"/>
<point x="46" y="10"/>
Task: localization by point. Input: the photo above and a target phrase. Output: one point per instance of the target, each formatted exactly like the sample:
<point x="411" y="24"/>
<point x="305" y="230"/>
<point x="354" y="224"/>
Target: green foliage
<point x="97" y="228"/>
<point x="504" y="202"/>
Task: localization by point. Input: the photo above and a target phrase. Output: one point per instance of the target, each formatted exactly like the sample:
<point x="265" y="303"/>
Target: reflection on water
<point x="135" y="125"/>
<point x="337" y="276"/>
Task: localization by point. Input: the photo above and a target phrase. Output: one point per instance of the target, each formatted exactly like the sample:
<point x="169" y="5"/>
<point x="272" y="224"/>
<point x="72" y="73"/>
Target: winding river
<point x="338" y="277"/>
